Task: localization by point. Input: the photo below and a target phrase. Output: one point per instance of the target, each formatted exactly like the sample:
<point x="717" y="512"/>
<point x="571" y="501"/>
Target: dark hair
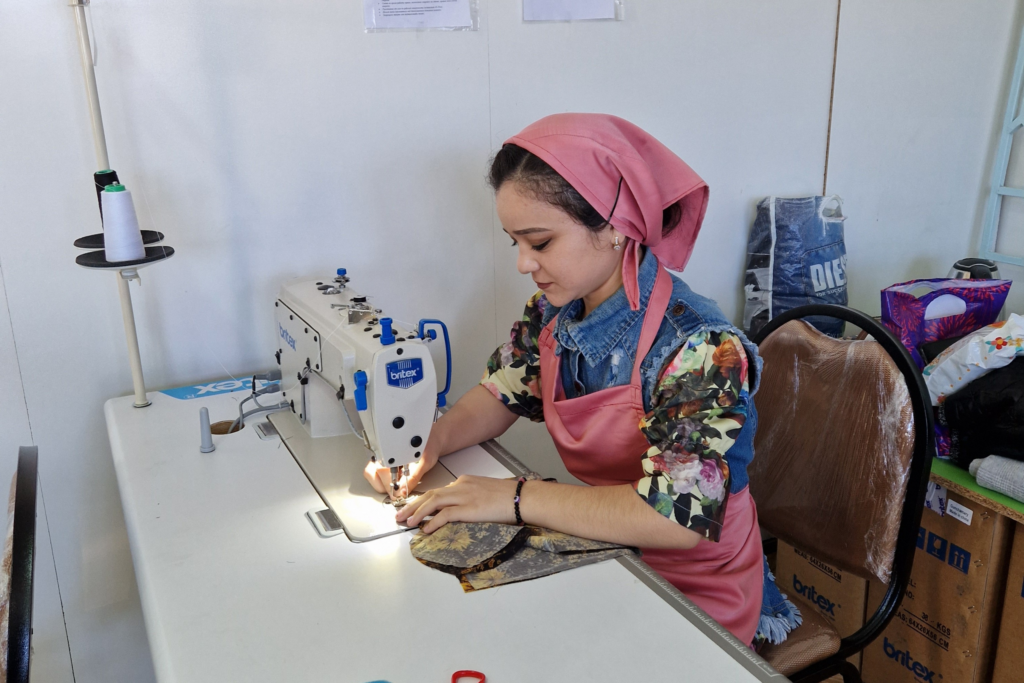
<point x="534" y="175"/>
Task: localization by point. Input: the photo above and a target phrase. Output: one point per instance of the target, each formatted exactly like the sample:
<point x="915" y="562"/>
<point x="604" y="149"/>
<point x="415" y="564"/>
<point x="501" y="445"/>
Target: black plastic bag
<point x="986" y="417"/>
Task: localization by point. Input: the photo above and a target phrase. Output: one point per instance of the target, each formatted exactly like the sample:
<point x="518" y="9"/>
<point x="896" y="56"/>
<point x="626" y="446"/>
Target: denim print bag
<point x="796" y="255"/>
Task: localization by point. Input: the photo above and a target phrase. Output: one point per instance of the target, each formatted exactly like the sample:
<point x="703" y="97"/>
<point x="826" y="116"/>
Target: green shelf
<point x="963" y="479"/>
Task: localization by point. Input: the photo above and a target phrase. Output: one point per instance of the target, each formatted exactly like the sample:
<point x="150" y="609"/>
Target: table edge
<point x="740" y="652"/>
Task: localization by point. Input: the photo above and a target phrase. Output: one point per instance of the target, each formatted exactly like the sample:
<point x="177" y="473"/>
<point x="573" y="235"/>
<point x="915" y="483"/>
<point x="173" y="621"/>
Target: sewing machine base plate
<point x="325" y="522"/>
<point x="334" y="466"/>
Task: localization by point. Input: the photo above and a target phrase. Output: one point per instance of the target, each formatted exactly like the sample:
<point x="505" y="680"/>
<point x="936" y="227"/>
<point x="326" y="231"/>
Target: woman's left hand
<point x="467" y="499"/>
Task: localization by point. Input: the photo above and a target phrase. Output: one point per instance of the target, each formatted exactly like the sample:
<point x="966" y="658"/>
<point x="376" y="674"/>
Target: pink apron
<point x="600" y="442"/>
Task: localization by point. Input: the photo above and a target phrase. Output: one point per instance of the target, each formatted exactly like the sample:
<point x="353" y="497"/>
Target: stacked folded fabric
<point x="1000" y="474"/>
<point x="486" y="554"/>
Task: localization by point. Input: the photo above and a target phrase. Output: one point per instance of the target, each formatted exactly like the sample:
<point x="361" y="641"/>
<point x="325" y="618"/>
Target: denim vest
<point x="598" y="351"/>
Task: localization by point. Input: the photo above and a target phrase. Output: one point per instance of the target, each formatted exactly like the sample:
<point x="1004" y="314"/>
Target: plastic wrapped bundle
<point x="967" y="360"/>
<point x="973" y="357"/>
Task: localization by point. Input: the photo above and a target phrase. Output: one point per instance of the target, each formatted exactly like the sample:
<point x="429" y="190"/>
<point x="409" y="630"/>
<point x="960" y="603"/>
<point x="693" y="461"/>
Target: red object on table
<point x="480" y="678"/>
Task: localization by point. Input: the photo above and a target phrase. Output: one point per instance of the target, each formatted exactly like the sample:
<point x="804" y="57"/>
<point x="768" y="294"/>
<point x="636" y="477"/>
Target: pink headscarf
<point x="593" y="152"/>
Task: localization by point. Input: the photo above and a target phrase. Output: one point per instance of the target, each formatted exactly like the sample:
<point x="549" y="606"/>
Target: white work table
<point x="237" y="586"/>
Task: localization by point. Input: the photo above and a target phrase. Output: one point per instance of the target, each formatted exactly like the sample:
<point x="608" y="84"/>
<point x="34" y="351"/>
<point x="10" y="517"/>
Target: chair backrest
<point x="839" y="424"/>
<point x="19" y="630"/>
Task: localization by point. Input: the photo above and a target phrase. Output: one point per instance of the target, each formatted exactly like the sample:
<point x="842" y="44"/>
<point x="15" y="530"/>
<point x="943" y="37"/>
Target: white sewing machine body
<point x="332" y="345"/>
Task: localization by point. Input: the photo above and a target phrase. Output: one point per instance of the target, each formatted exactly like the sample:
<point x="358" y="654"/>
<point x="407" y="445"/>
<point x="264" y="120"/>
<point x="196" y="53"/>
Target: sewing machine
<point x="360" y="385"/>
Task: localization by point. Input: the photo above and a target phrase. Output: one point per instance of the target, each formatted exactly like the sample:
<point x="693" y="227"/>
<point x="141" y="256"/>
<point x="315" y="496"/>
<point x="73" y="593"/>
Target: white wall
<point x="16" y="431"/>
<point x="1011" y="235"/>
<point x="1015" y="300"/>
<point x="738" y="90"/>
<point x="51" y="660"/>
<point x="272" y="139"/>
<point x="69" y="348"/>
<point x="918" y="92"/>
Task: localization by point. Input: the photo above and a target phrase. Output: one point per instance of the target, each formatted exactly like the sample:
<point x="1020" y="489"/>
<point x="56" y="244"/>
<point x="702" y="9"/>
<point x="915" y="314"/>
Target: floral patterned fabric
<point x="699" y="406"/>
<point x="513" y="370"/>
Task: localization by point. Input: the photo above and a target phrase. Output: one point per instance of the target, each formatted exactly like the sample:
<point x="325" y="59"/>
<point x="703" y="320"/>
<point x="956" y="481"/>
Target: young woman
<point x="645" y="387"/>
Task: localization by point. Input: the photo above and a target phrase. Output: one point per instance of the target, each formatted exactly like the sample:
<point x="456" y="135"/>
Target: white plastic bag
<point x="974" y="356"/>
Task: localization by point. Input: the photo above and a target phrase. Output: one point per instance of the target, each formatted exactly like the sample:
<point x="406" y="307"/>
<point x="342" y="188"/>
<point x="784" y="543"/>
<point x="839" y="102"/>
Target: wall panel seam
<point x="17" y="357"/>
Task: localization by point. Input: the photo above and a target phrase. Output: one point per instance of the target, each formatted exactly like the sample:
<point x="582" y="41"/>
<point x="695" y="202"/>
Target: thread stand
<point x="126" y="272"/>
<point x="96" y="260"/>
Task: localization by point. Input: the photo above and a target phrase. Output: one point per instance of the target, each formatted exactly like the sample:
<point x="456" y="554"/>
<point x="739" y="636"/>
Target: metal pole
<point x="85" y="52"/>
<point x="103" y="161"/>
<point x="134" y="359"/>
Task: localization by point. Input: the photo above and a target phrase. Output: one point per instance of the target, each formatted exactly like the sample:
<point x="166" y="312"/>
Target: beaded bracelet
<point x="515" y="501"/>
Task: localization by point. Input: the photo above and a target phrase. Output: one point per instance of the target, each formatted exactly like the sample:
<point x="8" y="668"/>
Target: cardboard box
<point x="944" y="630"/>
<point x="1009" y="659"/>
<point x="812" y="584"/>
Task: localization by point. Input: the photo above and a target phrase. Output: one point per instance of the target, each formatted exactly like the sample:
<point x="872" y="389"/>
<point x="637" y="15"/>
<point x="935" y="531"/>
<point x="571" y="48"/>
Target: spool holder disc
<point x="97" y="260"/>
<point x="96" y="241"/>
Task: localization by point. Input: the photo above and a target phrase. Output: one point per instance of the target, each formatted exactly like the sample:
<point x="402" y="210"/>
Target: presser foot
<point x="397" y="473"/>
<point x="398" y="501"/>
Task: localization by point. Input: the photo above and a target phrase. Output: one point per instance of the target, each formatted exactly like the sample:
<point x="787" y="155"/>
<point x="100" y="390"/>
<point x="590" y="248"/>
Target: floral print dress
<point x="698" y="407"/>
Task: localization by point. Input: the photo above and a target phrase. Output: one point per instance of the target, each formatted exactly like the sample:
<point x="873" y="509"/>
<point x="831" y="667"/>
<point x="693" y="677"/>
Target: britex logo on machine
<point x="903" y="658"/>
<point x="812" y="596"/>
<point x="288" y="339"/>
<point x="404" y="373"/>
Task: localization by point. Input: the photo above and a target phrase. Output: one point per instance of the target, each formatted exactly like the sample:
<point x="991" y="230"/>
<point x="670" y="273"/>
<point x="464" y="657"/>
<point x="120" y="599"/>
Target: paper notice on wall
<point x="567" y="10"/>
<point x="386" y="14"/>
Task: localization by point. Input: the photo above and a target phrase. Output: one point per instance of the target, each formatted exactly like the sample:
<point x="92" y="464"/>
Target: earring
<point x="618" y="247"/>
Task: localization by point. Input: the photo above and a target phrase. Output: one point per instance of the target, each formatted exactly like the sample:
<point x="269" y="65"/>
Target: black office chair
<point x="19" y="629"/>
<point x="843" y="455"/>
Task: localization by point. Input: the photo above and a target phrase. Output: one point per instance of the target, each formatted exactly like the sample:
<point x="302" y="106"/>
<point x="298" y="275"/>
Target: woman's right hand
<point x="475" y="418"/>
<point x="379" y="476"/>
<point x="417" y="470"/>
